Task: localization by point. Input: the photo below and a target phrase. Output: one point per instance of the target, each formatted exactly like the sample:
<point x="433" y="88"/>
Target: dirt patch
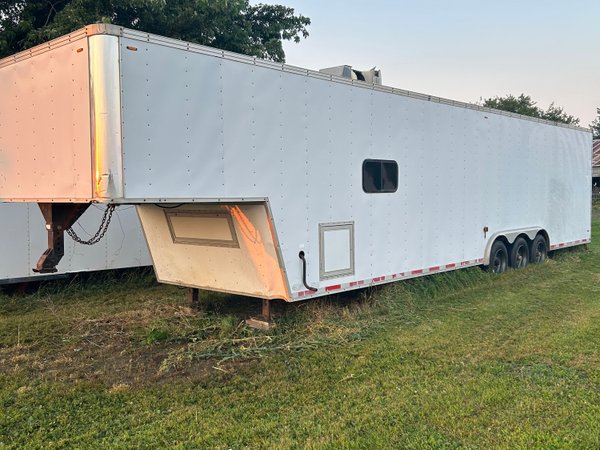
<point x="113" y="350"/>
<point x="165" y="342"/>
<point x="136" y="333"/>
<point x="111" y="356"/>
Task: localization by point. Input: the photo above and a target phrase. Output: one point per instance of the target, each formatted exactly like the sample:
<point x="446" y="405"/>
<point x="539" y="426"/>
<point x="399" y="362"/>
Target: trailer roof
<point x="114" y="30"/>
<point x="596" y="153"/>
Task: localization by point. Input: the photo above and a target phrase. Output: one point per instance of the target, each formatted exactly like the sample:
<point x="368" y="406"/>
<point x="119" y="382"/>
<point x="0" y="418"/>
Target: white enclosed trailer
<point x="22" y="243"/>
<point x="273" y="181"/>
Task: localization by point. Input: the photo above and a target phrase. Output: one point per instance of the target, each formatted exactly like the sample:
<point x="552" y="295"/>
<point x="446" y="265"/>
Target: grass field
<point x="457" y="360"/>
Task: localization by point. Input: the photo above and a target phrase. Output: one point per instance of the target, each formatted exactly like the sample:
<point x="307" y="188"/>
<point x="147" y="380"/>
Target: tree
<point x="520" y="105"/>
<point x="235" y="25"/>
<point x="523" y="104"/>
<point x="558" y="114"/>
<point x="595" y="125"/>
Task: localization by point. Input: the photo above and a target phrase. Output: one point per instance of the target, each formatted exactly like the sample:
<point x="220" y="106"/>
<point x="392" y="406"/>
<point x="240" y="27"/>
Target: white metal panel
<point x="289" y="200"/>
<point x="336" y="250"/>
<point x="125" y="245"/>
<point x="14" y="233"/>
<point x="45" y="148"/>
<point x="172" y="117"/>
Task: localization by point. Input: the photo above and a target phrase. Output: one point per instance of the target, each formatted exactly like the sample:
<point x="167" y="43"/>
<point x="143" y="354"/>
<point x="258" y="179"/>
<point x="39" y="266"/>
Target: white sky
<point x="463" y="49"/>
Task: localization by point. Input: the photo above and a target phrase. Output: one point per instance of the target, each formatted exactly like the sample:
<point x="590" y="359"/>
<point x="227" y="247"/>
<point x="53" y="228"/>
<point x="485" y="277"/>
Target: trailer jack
<point x="58" y="217"/>
<point x="264" y="322"/>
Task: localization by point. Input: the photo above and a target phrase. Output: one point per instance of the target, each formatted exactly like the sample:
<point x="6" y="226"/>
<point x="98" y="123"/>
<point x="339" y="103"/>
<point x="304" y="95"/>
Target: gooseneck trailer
<point x="277" y="182"/>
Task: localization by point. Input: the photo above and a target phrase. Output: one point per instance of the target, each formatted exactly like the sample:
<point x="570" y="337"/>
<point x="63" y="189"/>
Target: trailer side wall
<point x="207" y="127"/>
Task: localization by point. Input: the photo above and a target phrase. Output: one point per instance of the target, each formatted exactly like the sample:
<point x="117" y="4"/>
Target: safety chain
<point x="101" y="231"/>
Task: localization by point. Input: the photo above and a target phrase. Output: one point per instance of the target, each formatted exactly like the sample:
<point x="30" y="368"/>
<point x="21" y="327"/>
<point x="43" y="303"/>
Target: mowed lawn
<point x="458" y="360"/>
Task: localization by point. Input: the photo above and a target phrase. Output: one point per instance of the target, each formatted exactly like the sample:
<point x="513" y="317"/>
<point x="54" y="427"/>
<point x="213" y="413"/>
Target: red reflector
<point x="416" y="272"/>
<point x="434" y="268"/>
<point x="333" y="288"/>
<point x="450" y="266"/>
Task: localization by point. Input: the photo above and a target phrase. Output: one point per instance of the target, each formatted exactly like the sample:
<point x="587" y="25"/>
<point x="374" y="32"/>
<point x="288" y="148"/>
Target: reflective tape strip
<point x="569" y="244"/>
<point x="407" y="275"/>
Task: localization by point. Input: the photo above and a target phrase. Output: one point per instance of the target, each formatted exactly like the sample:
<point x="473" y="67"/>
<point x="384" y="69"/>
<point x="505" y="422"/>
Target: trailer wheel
<point x="498" y="257"/>
<point x="519" y="254"/>
<point x="539" y="250"/>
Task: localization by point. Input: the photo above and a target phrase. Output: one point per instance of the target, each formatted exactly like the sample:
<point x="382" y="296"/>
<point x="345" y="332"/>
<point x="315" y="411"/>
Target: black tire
<point x="539" y="250"/>
<point x="519" y="254"/>
<point x="498" y="258"/>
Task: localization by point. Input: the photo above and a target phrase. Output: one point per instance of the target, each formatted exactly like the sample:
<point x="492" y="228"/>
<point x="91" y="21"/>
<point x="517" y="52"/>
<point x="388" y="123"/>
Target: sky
<point x="463" y="49"/>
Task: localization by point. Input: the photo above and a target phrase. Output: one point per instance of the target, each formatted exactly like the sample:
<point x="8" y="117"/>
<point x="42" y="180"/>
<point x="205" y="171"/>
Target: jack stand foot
<point x="263" y="322"/>
<point x="193" y="296"/>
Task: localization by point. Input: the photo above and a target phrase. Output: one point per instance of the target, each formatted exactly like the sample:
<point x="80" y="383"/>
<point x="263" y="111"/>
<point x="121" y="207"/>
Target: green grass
<point x="457" y="360"/>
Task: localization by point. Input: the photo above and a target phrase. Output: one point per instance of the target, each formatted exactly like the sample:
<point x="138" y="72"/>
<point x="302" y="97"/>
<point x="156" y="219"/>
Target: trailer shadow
<point x="122" y="328"/>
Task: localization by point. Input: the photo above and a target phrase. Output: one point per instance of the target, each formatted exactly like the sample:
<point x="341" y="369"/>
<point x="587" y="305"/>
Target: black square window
<point x="380" y="176"/>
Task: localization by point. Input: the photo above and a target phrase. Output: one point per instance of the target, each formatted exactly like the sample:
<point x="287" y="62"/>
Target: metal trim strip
<point x="384" y="279"/>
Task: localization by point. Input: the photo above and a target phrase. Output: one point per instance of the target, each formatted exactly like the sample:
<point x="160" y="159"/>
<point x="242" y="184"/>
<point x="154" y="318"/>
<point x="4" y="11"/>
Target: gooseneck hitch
<point x="59" y="217"/>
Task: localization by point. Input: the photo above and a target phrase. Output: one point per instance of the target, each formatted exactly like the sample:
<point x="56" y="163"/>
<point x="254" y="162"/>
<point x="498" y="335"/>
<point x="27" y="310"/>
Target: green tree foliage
<point x="520" y="105"/>
<point x="595" y="125"/>
<point x="558" y="114"/>
<point x="523" y="104"/>
<point x="235" y="25"/>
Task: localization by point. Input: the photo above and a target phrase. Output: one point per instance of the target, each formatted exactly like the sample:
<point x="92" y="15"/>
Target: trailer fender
<point x="510" y="236"/>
